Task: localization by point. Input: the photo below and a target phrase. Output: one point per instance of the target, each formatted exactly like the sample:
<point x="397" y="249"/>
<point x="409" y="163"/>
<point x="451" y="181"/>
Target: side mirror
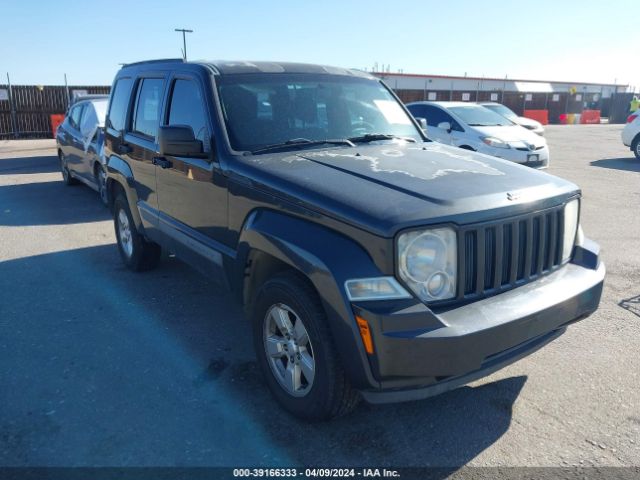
<point x="179" y="141"/>
<point x="445" y="126"/>
<point x="422" y="122"/>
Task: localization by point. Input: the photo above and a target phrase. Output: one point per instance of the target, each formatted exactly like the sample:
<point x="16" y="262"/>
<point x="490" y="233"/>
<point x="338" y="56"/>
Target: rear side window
<point x="74" y="116"/>
<point x="147" y="113"/>
<point x="119" y="103"/>
<point x="187" y="108"/>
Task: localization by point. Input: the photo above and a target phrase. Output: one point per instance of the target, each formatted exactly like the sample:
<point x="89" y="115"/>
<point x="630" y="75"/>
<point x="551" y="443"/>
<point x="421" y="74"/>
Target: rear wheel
<point x="64" y="168"/>
<point x="295" y="350"/>
<point x="137" y="253"/>
<point x="635" y="146"/>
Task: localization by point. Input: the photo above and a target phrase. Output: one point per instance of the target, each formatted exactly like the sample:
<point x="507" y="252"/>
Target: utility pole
<point x="184" y="40"/>
<point x="66" y="89"/>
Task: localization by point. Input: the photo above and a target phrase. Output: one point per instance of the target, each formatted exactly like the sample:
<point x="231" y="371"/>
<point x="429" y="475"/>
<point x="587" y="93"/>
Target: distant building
<point x="519" y="95"/>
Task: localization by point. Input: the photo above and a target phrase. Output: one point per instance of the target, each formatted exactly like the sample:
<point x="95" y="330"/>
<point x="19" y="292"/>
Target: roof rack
<point x="159" y="60"/>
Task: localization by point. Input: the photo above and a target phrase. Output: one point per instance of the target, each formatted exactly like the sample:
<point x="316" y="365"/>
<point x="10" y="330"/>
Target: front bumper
<point x="420" y="353"/>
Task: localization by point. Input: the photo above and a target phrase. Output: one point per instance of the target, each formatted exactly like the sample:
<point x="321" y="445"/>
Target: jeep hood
<point x="386" y="187"/>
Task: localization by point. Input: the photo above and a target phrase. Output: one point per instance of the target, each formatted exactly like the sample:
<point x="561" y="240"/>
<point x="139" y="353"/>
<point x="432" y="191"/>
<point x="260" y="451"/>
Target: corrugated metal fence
<point x="25" y="110"/>
<point x="555" y="103"/>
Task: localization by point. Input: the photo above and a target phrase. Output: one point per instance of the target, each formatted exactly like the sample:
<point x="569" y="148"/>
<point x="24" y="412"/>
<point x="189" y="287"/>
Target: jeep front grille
<point x="498" y="256"/>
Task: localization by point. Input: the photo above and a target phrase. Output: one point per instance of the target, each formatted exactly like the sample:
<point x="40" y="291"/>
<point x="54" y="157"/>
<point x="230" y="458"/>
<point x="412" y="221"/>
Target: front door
<point x="192" y="192"/>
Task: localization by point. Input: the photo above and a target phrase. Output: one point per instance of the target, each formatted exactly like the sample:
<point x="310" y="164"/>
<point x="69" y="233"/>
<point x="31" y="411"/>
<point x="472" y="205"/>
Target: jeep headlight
<point x="570" y="228"/>
<point x="427" y="261"/>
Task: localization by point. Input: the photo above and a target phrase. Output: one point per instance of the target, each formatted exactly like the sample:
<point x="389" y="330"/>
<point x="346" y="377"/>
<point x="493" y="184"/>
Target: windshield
<point x="501" y="110"/>
<point x="302" y="110"/>
<point x="477" y="116"/>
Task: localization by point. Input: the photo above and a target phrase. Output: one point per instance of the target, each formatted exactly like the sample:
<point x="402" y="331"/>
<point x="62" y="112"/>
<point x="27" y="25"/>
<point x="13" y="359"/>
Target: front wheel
<point x="137" y="253"/>
<point x="295" y="350"/>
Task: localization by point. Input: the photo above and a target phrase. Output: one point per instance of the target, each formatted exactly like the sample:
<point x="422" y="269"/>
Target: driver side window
<point x="435" y="116"/>
<point x="187" y="107"/>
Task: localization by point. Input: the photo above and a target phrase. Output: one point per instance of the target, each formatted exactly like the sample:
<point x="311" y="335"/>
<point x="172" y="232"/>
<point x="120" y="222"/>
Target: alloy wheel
<point x="124" y="233"/>
<point x="102" y="185"/>
<point x="288" y="349"/>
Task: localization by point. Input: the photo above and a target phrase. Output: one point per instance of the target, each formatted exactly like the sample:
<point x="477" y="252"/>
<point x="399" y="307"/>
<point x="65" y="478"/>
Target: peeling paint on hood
<point x="395" y="161"/>
<point x="386" y="187"/>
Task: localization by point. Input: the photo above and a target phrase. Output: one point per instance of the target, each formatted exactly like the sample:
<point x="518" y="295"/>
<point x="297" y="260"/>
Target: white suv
<point x="631" y="133"/>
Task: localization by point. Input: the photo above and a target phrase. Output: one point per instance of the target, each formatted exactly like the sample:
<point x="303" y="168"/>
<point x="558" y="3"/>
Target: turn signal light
<point x="365" y="333"/>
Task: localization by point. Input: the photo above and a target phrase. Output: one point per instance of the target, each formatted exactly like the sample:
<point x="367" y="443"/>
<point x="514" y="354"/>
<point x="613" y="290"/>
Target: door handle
<point x="161" y="162"/>
<point x="123" y="148"/>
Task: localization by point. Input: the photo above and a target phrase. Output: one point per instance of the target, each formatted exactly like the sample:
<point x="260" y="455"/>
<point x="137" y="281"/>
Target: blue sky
<point x="550" y="40"/>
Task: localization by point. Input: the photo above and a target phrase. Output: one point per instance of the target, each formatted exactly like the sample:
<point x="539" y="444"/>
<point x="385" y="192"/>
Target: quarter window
<point x="187" y="108"/>
<point x="147" y="110"/>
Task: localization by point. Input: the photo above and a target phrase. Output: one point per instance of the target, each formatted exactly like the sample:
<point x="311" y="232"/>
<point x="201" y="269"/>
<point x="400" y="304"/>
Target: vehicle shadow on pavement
<point x="631" y="304"/>
<point x="630" y="163"/>
<point x="49" y="203"/>
<point x="109" y="367"/>
<point x="446" y="431"/>
<point x="37" y="164"/>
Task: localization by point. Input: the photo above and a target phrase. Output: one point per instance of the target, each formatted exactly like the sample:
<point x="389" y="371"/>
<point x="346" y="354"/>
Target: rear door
<point x="74" y="150"/>
<point x="140" y="144"/>
<point x="192" y="192"/>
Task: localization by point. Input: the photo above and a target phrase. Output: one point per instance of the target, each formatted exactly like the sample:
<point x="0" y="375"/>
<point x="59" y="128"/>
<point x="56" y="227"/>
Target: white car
<point x="474" y="127"/>
<point x="528" y="123"/>
<point x="631" y="133"/>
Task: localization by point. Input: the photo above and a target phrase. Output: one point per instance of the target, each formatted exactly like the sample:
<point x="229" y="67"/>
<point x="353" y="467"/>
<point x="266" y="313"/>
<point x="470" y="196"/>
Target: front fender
<point x="327" y="258"/>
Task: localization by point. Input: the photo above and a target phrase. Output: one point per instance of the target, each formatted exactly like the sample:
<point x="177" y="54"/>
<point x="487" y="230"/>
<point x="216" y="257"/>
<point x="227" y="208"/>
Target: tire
<point x="327" y="394"/>
<point x="635" y="146"/>
<point x="101" y="181"/>
<point x="137" y="253"/>
<point x="66" y="174"/>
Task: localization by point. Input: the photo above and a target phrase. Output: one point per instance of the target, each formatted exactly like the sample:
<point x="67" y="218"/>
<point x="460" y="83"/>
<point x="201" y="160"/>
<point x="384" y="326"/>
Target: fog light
<point x="437" y="283"/>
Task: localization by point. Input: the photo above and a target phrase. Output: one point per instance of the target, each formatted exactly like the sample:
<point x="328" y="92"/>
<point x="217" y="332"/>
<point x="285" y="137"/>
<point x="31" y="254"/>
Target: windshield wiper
<point x="372" y="137"/>
<point x="303" y="142"/>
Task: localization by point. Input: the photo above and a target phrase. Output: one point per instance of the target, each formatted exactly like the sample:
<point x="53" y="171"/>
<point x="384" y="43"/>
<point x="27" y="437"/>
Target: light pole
<point x="184" y="40"/>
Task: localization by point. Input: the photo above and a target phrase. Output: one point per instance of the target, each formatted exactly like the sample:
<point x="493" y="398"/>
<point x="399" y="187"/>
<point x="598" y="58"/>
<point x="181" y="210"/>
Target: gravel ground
<point x="105" y="367"/>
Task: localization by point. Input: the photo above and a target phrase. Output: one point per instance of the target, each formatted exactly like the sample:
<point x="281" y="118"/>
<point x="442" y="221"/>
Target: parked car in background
<point x="474" y="127"/>
<point x="631" y="133"/>
<point x="528" y="123"/>
<point x="80" y="141"/>
<point x="371" y="262"/>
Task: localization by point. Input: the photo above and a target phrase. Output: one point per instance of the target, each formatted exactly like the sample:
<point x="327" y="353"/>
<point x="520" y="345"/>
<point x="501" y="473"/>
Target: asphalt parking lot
<point x="101" y="366"/>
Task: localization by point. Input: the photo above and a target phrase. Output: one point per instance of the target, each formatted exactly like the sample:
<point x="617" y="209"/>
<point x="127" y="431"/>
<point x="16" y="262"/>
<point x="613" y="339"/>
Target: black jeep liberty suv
<point x="372" y="262"/>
